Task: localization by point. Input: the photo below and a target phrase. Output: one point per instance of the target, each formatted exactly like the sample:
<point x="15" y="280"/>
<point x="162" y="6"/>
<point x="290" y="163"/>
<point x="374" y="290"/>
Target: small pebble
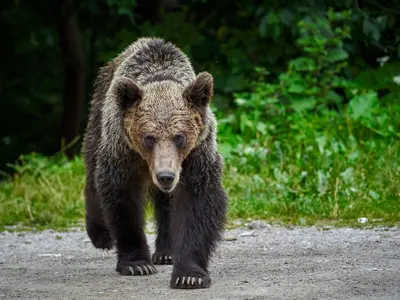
<point x="247" y="233"/>
<point x="230" y="238"/>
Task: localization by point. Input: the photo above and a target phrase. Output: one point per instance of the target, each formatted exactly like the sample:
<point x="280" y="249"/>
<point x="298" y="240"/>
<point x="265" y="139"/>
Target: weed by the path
<point x="321" y="179"/>
<point x="44" y="192"/>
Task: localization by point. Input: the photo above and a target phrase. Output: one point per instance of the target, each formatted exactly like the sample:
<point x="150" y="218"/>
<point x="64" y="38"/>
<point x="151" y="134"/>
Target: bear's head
<point x="164" y="122"/>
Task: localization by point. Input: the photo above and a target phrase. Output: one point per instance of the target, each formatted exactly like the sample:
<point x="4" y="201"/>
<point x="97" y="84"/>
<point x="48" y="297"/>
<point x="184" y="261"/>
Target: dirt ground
<point x="260" y="262"/>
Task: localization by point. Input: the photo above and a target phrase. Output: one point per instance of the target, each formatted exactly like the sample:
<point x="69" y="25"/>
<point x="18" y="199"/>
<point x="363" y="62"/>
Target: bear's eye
<point x="149" y="141"/>
<point x="180" y="140"/>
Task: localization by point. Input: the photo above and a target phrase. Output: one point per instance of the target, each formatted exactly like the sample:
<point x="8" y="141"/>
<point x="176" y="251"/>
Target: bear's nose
<point x="165" y="178"/>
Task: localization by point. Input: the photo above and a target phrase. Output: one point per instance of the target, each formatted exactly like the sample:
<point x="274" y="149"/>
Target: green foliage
<point x="310" y="85"/>
<point x="309" y="174"/>
<point x="311" y="80"/>
<point x="314" y="168"/>
<point x="306" y="94"/>
<point x="291" y="154"/>
<point x="227" y="39"/>
<point x="42" y="192"/>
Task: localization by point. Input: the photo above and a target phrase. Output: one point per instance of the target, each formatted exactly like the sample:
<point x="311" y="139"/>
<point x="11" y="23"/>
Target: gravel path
<point x="266" y="262"/>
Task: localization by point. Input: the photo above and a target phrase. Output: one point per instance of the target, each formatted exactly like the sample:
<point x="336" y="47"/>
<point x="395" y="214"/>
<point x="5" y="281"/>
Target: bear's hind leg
<point x="163" y="253"/>
<point x="95" y="225"/>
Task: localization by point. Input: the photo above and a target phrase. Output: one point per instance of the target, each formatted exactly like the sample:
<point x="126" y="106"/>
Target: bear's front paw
<point x="99" y="236"/>
<point x="163" y="257"/>
<point x="189" y="280"/>
<point x="137" y="267"/>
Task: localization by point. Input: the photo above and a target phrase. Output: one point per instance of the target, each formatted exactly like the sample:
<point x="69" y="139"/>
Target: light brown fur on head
<point x="163" y="121"/>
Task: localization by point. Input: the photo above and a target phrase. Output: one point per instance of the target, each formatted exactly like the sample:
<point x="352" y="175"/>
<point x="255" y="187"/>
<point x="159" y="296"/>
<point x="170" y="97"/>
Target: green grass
<point x="309" y="178"/>
<point x="43" y="193"/>
<point x="301" y="193"/>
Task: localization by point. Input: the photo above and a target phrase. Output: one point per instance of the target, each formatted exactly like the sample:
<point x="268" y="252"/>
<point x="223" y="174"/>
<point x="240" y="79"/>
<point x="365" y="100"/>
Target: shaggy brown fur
<point x="151" y="132"/>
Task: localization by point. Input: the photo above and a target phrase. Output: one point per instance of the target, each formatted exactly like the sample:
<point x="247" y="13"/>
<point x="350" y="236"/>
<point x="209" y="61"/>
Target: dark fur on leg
<point x="163" y="253"/>
<point x="198" y="217"/>
<point x="98" y="234"/>
<point x="122" y="198"/>
<point x="95" y="224"/>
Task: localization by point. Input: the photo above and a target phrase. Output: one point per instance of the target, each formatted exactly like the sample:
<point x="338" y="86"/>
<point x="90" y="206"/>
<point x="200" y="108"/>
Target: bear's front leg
<point x="163" y="253"/>
<point x="197" y="223"/>
<point x="122" y="201"/>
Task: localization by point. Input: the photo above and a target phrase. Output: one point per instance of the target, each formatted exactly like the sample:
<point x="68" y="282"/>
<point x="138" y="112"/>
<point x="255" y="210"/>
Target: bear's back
<point x="149" y="60"/>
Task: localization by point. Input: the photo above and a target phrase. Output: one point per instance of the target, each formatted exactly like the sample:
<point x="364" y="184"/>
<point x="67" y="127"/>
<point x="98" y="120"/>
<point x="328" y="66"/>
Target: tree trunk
<point x="74" y="71"/>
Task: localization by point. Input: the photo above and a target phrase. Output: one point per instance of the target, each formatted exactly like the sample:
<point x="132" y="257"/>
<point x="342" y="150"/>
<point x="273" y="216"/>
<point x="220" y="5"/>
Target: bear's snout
<point x="165" y="179"/>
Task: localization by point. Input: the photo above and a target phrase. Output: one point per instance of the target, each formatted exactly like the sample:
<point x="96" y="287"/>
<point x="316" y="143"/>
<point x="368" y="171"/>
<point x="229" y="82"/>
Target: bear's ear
<point x="127" y="92"/>
<point x="200" y="91"/>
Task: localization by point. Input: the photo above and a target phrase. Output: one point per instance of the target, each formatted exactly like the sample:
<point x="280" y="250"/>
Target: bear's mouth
<point x="167" y="190"/>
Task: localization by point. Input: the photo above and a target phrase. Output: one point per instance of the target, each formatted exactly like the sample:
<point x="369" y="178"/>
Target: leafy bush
<point x="306" y="149"/>
<point x="314" y="84"/>
<point x="307" y="136"/>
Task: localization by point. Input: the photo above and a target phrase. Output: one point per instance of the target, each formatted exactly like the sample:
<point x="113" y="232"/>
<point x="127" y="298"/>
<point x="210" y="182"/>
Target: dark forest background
<point x="307" y="98"/>
<point x="51" y="52"/>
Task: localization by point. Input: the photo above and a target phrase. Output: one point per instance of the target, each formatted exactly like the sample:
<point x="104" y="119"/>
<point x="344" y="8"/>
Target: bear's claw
<point x="189" y="282"/>
<point x="162" y="258"/>
<point x="141" y="268"/>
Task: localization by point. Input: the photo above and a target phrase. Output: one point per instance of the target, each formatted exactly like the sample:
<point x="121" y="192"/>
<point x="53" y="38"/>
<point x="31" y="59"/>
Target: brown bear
<point x="151" y="134"/>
